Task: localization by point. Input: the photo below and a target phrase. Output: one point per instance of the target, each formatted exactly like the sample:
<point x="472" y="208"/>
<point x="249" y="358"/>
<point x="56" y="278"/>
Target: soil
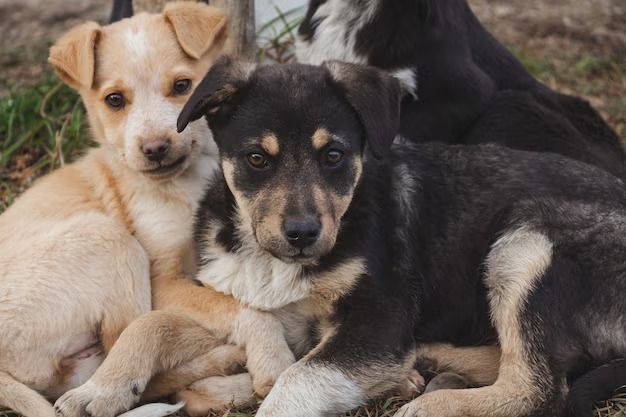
<point x="561" y="27"/>
<point x="29" y="27"/>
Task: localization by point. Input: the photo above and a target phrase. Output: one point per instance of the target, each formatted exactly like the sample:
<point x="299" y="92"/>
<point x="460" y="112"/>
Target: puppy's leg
<point x="525" y="384"/>
<point x="262" y="335"/>
<point x="212" y="309"/>
<point x="27" y="401"/>
<point x="218" y="393"/>
<point x="478" y="364"/>
<point x="348" y="366"/>
<point x="223" y="360"/>
<point x="156" y="342"/>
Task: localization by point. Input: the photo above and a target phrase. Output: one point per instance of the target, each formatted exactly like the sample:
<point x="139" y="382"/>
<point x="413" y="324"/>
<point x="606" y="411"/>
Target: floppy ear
<point x="196" y="25"/>
<point x="375" y="96"/>
<point x="73" y="55"/>
<point x="224" y="81"/>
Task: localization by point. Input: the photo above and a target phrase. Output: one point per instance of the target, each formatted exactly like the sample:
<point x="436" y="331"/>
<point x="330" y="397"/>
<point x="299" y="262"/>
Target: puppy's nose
<point x="156" y="149"/>
<point x="301" y="233"/>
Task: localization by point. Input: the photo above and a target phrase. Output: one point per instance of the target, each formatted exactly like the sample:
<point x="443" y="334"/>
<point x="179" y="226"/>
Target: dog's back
<point x="470" y="89"/>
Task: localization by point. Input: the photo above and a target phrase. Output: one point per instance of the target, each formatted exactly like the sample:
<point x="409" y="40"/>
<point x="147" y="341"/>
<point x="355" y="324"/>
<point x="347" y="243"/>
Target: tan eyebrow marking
<point x="320" y="138"/>
<point x="269" y="142"/>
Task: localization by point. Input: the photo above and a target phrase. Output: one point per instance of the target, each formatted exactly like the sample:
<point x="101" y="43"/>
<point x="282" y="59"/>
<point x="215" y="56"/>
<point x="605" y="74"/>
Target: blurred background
<point x="574" y="46"/>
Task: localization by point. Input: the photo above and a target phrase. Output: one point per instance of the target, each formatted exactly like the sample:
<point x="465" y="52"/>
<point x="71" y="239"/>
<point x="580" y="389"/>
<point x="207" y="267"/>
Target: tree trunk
<point x="241" y="27"/>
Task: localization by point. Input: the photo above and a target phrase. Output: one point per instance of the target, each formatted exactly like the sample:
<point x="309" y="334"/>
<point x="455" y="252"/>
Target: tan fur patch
<point x="269" y="142"/>
<point x="320" y="138"/>
<point x="480" y="364"/>
<point x="330" y="286"/>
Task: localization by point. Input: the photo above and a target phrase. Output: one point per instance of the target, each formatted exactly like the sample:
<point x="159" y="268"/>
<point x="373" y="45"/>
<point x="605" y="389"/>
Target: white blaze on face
<point x="137" y="45"/>
<point x="152" y="109"/>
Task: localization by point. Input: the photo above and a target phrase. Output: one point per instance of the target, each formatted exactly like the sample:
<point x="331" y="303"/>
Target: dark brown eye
<point x="257" y="160"/>
<point x="181" y="86"/>
<point x="115" y="101"/>
<point x="333" y="157"/>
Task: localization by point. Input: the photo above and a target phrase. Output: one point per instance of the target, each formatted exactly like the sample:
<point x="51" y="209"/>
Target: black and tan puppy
<point x="471" y="89"/>
<point x="370" y="253"/>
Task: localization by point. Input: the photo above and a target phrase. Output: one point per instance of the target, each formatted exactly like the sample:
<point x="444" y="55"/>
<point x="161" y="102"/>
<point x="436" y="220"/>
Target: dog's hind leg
<point x="24" y="400"/>
<point x="525" y="385"/>
<point x="479" y="364"/>
<point x="155" y="342"/>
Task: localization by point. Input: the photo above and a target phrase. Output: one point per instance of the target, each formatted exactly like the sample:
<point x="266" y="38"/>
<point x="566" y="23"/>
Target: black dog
<point x="471" y="89"/>
<point x="369" y="262"/>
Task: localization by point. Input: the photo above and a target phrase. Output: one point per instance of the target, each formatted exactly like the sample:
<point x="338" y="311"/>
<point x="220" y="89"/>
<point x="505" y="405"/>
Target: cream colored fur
<point x="78" y="249"/>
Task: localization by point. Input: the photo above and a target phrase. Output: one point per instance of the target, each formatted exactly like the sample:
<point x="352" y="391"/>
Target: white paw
<point x="91" y="400"/>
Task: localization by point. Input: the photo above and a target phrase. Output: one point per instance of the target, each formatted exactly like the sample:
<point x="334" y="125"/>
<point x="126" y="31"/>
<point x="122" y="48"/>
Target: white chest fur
<point x="254" y="277"/>
<point x="162" y="214"/>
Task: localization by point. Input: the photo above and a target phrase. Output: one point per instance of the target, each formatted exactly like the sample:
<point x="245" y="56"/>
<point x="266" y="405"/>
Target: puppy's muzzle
<point x="301" y="233"/>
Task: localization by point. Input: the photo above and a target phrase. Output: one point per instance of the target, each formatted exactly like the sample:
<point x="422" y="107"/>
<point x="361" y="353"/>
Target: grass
<point x="43" y="126"/>
<point x="599" y="78"/>
<point x="276" y="38"/>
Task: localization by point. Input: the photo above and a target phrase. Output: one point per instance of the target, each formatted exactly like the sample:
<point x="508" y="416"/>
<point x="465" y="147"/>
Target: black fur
<point x="471" y="89"/>
<point x="121" y="10"/>
<point x="425" y="219"/>
<point x="597" y="385"/>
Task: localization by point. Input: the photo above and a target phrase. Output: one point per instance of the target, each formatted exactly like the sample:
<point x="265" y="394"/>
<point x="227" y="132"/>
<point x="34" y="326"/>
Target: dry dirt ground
<point x="28" y="27"/>
<point x="575" y="46"/>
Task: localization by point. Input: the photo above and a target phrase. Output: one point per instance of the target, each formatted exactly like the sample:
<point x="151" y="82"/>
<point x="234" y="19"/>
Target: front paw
<point x="91" y="399"/>
<point x="266" y="371"/>
<point x="447" y="380"/>
<point x="443" y="403"/>
<point x="411" y="409"/>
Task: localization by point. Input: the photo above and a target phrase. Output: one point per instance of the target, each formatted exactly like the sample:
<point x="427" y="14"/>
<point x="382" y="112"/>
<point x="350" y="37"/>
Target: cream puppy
<point x="78" y="250"/>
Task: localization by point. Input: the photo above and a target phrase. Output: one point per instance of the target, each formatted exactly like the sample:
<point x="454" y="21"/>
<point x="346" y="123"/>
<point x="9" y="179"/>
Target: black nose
<point x="156" y="149"/>
<point x="302" y="233"/>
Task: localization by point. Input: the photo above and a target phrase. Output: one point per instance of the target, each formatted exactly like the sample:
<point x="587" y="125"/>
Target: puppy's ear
<point x="73" y="55"/>
<point x="216" y="93"/>
<point x="197" y="25"/>
<point x="375" y="96"/>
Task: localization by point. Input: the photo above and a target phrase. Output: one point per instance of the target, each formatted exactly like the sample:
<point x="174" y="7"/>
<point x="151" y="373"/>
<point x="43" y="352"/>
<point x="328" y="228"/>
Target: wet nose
<point x="156" y="149"/>
<point x="301" y="233"/>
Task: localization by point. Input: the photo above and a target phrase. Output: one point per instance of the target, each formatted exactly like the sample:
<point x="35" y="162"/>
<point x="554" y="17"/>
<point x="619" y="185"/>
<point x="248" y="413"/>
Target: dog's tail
<point x="596" y="385"/>
<point x="22" y="399"/>
<point x="154" y="410"/>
